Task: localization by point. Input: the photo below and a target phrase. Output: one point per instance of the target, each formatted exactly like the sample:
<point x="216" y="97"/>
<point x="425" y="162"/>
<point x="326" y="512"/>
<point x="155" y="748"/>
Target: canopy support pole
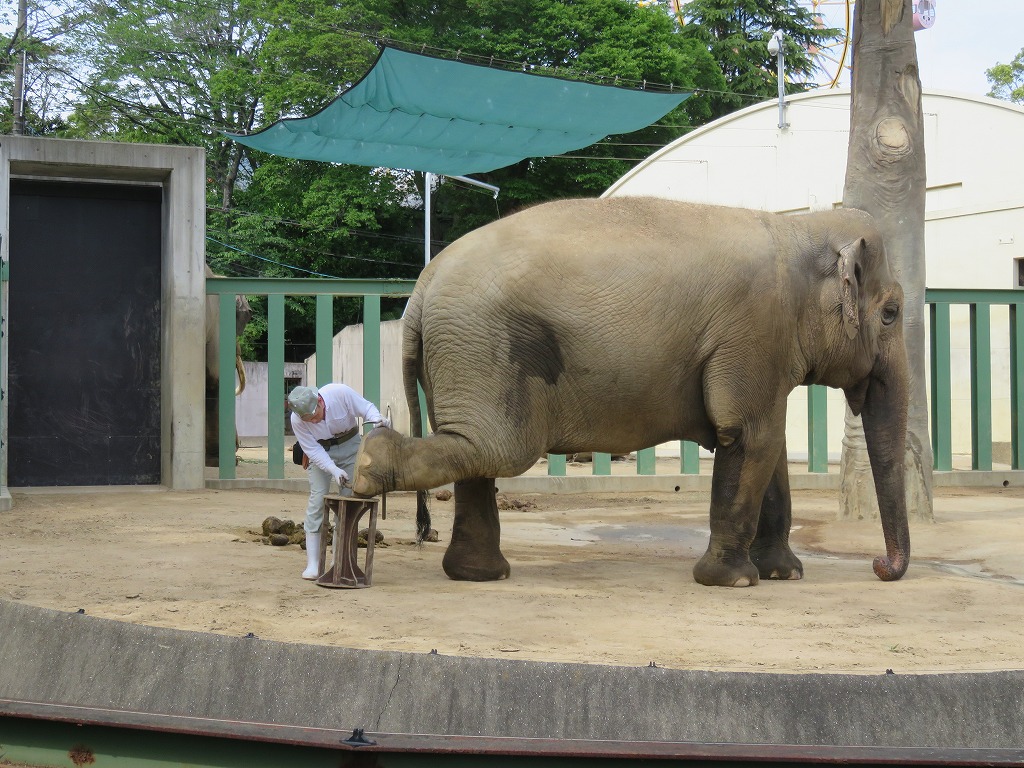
<point x="428" y="182"/>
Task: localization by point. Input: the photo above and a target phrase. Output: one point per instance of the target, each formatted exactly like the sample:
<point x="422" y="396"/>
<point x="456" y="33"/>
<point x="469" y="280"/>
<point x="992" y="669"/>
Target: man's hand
<point x="384" y="422"/>
<point x="305" y="461"/>
<point x="342" y="478"/>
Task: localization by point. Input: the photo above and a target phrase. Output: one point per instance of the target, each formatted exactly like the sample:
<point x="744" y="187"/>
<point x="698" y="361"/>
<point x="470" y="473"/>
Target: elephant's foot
<point x="776" y="562"/>
<point x="712" y="571"/>
<point x="475" y="552"/>
<point x="374" y="471"/>
<point x="465" y="564"/>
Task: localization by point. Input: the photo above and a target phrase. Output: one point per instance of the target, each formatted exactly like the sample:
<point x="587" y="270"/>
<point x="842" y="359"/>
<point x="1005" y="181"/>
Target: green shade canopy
<point x="422" y="113"/>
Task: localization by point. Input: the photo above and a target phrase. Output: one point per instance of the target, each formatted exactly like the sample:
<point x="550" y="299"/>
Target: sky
<point x="968" y="37"/>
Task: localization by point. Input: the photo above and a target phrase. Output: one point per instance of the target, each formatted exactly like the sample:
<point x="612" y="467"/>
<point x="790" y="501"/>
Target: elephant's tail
<point x="412" y="367"/>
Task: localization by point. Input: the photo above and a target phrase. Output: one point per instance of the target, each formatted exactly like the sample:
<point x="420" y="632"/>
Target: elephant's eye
<point x="889" y="313"/>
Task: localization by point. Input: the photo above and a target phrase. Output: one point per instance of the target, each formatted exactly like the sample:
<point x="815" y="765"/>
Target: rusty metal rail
<point x="40" y="734"/>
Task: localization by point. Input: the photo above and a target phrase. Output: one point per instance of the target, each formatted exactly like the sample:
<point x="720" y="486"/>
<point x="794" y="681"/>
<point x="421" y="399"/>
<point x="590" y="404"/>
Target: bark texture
<point x="885" y="176"/>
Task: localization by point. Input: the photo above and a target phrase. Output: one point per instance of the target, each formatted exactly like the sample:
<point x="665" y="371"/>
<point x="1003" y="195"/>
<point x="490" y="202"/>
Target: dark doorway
<point x="84" y="344"/>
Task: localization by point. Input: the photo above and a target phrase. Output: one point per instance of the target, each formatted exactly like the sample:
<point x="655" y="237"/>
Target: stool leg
<point x="371" y="540"/>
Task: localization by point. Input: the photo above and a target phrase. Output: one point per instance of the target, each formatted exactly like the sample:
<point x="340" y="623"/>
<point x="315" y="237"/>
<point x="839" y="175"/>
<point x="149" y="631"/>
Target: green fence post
<point x="602" y="463"/>
<point x="981" y="387"/>
<point x="646" y="462"/>
<point x="689" y="457"/>
<point x="275" y="386"/>
<point x="371" y="349"/>
<point x="1016" y="386"/>
<point x="324" y="339"/>
<point x="942" y="438"/>
<point x="817" y="428"/>
<point x="226" y="390"/>
<point x="556" y="465"/>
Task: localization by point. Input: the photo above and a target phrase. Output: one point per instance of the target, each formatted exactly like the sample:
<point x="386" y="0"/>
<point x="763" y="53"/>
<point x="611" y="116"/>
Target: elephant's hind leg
<point x="475" y="553"/>
<point x="770" y="551"/>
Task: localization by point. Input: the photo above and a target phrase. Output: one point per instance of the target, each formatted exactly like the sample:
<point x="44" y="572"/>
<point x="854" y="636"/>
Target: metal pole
<point x="428" y="180"/>
<point x="780" y="67"/>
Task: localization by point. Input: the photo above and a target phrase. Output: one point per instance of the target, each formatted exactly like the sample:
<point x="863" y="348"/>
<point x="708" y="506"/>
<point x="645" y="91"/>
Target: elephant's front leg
<point x="475" y="550"/>
<point x="770" y="551"/>
<point x="741" y="475"/>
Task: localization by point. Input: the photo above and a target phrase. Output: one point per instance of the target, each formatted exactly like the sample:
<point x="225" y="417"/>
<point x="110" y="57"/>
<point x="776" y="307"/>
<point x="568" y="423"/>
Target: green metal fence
<point x="978" y="302"/>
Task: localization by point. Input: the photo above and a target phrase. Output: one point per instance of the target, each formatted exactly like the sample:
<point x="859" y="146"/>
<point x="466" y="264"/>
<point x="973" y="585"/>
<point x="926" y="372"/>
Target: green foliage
<point x="1007" y="80"/>
<point x="190" y="71"/>
<point x="736" y="32"/>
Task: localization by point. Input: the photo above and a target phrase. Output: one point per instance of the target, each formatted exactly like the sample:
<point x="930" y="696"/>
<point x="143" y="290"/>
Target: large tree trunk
<point x="885" y="176"/>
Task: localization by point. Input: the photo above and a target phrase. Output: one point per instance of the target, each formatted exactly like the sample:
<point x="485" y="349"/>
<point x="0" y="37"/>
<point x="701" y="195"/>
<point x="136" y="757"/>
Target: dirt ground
<point x="601" y="578"/>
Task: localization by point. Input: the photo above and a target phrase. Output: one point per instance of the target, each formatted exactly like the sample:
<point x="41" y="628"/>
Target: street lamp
<point x="775" y="49"/>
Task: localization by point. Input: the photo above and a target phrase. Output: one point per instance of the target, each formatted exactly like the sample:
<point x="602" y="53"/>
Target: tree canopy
<point x="189" y="71"/>
<point x="1007" y="80"/>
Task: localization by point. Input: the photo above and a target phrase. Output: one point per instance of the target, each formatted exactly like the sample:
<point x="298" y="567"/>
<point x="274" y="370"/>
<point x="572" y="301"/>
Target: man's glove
<point x="342" y="478"/>
<point x="384" y="422"/>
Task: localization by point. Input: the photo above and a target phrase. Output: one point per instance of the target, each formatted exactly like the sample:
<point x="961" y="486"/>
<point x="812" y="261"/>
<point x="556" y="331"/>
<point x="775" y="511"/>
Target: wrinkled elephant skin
<point x="616" y="324"/>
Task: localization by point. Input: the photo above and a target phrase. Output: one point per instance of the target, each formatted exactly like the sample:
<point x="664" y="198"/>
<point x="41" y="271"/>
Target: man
<point x="325" y="423"/>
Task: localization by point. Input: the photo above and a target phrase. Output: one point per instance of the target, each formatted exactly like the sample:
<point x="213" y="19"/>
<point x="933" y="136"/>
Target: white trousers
<point x="344" y="455"/>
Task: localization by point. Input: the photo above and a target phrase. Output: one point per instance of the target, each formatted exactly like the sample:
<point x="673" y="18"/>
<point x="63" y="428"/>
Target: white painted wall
<point x="251" y="406"/>
<point x="974" y="230"/>
<point x="348" y="367"/>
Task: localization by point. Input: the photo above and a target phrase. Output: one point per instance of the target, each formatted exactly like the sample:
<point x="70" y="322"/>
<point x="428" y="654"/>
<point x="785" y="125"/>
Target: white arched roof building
<point x="974" y="209"/>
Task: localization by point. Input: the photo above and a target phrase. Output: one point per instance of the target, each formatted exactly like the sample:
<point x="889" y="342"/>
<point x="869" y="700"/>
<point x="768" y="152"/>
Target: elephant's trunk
<point x="885" y="432"/>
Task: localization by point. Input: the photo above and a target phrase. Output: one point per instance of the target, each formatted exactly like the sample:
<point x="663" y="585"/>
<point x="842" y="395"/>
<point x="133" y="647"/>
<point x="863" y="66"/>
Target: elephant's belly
<point x="624" y="435"/>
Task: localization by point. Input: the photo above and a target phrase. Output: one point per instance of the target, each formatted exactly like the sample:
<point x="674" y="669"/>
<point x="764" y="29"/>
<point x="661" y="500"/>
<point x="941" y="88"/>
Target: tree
<point x="603" y="41"/>
<point x="44" y="44"/>
<point x="736" y="32"/>
<point x="1007" y="80"/>
<point x="885" y="176"/>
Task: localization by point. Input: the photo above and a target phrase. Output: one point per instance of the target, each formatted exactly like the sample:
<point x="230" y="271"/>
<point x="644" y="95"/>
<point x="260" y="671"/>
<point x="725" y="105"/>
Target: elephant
<point x="243" y="314"/>
<point x="620" y="323"/>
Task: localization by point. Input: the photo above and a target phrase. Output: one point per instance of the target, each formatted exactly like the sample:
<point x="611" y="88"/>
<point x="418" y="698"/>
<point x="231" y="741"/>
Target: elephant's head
<point x="862" y="351"/>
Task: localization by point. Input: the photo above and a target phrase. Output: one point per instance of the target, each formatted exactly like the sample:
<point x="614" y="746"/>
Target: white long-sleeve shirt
<point x="343" y="406"/>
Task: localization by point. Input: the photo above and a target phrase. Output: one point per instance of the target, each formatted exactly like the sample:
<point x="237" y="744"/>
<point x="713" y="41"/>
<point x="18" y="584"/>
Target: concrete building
<point x="103" y="296"/>
<point x="974" y="229"/>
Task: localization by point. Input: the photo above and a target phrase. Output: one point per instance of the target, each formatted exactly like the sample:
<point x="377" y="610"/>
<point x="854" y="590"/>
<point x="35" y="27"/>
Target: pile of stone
<point x="281" y="533"/>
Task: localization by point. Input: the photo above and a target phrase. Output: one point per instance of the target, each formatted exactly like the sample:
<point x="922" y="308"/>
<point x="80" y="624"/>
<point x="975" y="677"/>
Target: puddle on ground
<point x="694" y="541"/>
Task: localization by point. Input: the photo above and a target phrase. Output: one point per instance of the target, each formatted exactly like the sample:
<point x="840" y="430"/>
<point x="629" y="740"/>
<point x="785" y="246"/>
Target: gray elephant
<point x="616" y="324"/>
<point x="243" y="314"/>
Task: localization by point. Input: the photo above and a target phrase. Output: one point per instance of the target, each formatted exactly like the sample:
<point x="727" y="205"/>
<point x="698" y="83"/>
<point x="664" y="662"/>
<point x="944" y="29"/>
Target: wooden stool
<point x="345" y="573"/>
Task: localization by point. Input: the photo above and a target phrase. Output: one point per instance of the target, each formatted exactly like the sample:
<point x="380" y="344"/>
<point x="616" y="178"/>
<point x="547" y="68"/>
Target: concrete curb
<point x="582" y="483"/>
<point x="69" y="658"/>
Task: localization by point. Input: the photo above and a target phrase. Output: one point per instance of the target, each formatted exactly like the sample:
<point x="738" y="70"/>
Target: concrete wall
<point x="974" y="229"/>
<point x="180" y="171"/>
<point x="251" y="405"/>
<point x="69" y="658"/>
<point x="348" y="367"/>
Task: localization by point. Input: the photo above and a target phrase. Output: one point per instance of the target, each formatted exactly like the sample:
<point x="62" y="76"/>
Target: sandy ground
<point x="601" y="578"/>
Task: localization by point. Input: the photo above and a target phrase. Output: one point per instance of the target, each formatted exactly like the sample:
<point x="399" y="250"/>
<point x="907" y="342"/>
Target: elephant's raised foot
<point x="777" y="563"/>
<point x="713" y="572"/>
<point x="374" y="471"/>
<point x="473" y="567"/>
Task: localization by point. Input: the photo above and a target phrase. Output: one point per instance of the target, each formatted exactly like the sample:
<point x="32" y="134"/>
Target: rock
<point x="274" y="525"/>
<point x="443" y="495"/>
<point x="364" y="535"/>
<point x="279" y="540"/>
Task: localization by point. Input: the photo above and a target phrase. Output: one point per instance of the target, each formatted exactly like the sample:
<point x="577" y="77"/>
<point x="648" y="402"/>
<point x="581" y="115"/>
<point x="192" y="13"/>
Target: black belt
<point x="344" y="437"/>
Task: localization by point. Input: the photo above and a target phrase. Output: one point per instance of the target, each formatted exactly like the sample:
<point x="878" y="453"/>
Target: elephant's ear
<point x="850" y="277"/>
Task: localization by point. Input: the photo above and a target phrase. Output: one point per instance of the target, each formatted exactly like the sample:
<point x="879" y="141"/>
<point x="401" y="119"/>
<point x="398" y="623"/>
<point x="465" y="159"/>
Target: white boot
<point x="312" y="571"/>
